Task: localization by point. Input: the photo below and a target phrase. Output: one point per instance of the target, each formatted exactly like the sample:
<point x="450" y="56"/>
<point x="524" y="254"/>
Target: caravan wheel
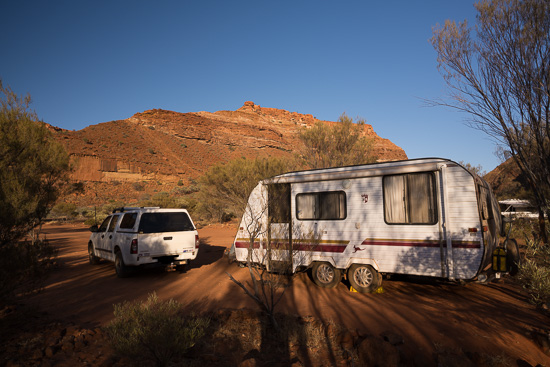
<point x="325" y="275"/>
<point x="363" y="278"/>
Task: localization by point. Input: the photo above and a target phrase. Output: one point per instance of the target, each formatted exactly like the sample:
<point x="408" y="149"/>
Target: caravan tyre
<point x="363" y="278"/>
<point x="325" y="275"/>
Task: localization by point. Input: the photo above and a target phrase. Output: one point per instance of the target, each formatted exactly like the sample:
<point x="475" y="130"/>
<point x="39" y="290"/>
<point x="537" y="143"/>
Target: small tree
<point x="501" y="78"/>
<point x="343" y="143"/>
<point x="477" y="170"/>
<point x="33" y="168"/>
<point x="225" y="187"/>
<point x="271" y="250"/>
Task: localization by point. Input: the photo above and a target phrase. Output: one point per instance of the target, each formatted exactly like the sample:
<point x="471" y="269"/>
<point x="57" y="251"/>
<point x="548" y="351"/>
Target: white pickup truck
<point x="132" y="237"/>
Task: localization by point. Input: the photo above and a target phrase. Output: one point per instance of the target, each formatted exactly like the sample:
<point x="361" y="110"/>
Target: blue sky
<point x="86" y="62"/>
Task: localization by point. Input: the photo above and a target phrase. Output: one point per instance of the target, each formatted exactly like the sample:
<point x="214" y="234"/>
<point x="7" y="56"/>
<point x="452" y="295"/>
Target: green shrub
<point x="67" y="210"/>
<point x="92" y="221"/>
<point x="33" y="167"/>
<point x="138" y="186"/>
<point x="341" y="144"/>
<point x="154" y="331"/>
<point x="23" y="266"/>
<point x="225" y="187"/>
<point x="534" y="272"/>
<point x="161" y="199"/>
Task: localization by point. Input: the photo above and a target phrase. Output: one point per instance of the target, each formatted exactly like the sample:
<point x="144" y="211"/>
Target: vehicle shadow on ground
<point x="208" y="254"/>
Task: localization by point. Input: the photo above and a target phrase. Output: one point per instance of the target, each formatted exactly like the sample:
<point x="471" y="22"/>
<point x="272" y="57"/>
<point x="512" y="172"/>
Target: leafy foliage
<point x="67" y="210"/>
<point x="32" y="168"/>
<point x="477" y="170"/>
<point x="154" y="331"/>
<point x="225" y="187"/>
<point x="501" y="79"/>
<point x="534" y="272"/>
<point x="341" y="144"/>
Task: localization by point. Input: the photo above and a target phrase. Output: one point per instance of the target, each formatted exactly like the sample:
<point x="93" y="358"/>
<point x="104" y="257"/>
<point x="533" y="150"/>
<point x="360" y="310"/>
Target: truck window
<point x="321" y="206"/>
<point x="165" y="222"/>
<point x="128" y="221"/>
<point x="104" y="224"/>
<point x="113" y="223"/>
<point x="410" y="199"/>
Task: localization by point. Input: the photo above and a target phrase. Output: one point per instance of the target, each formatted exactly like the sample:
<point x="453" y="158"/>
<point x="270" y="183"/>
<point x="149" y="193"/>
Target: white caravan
<point x="428" y="217"/>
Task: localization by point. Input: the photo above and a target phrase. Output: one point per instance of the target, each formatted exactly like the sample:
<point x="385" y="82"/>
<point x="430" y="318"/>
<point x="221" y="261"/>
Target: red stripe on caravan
<point x="404" y="243"/>
<point x="466" y="244"/>
<point x="241" y="244"/>
<point x="315" y="247"/>
<point x="420" y="243"/>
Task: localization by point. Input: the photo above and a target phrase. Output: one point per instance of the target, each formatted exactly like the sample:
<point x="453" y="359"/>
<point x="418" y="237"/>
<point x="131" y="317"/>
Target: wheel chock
<point x="351" y="289"/>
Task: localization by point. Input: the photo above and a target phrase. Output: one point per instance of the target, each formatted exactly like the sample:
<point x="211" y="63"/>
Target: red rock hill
<point x="164" y="146"/>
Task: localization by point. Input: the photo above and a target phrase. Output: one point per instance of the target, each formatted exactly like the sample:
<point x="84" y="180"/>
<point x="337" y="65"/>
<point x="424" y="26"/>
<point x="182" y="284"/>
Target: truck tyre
<point x="363" y="278"/>
<point x="94" y="260"/>
<point x="121" y="269"/>
<point x="325" y="275"/>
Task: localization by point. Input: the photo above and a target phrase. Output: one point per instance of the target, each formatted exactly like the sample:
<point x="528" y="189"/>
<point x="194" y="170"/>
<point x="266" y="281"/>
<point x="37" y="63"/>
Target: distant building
<point x="518" y="208"/>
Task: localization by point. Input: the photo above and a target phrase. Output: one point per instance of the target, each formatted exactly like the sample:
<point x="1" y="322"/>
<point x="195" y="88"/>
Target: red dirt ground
<point x="495" y="319"/>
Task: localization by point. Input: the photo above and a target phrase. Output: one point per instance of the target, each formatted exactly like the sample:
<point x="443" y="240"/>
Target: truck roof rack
<point x="129" y="208"/>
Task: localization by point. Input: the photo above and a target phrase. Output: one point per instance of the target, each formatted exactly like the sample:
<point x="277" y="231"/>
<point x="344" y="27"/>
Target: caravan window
<point x="410" y="199"/>
<point x="321" y="205"/>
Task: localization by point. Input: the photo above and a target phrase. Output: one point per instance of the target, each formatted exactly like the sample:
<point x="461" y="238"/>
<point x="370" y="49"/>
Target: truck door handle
<point x="167" y="238"/>
<point x="110" y="236"/>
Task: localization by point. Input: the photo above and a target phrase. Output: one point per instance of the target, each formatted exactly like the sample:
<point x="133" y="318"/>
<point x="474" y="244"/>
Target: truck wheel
<point x="325" y="275"/>
<point x="182" y="268"/>
<point x="121" y="269"/>
<point x="94" y="260"/>
<point x="363" y="278"/>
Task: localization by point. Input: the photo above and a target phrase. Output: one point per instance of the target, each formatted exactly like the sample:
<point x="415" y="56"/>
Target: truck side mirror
<point x="94" y="228"/>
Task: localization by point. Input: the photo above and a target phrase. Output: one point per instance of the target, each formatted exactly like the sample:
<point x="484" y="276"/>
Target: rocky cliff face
<point x="165" y="147"/>
<point x="507" y="181"/>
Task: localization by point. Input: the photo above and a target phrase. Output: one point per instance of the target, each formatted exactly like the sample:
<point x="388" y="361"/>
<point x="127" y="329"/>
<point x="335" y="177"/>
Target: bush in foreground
<point x="534" y="272"/>
<point x="33" y="168"/>
<point x="154" y="331"/>
<point x="23" y="266"/>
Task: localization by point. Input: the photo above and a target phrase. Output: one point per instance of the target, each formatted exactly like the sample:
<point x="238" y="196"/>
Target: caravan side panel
<point x="364" y="236"/>
<point x="396" y="248"/>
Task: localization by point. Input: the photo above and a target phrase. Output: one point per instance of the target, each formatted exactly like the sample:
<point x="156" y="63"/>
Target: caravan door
<point x="279" y="244"/>
<point x="490" y="221"/>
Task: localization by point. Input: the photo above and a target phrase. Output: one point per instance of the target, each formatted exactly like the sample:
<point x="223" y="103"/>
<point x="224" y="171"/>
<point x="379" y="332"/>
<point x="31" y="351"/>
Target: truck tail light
<point x="196" y="241"/>
<point x="134" y="246"/>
